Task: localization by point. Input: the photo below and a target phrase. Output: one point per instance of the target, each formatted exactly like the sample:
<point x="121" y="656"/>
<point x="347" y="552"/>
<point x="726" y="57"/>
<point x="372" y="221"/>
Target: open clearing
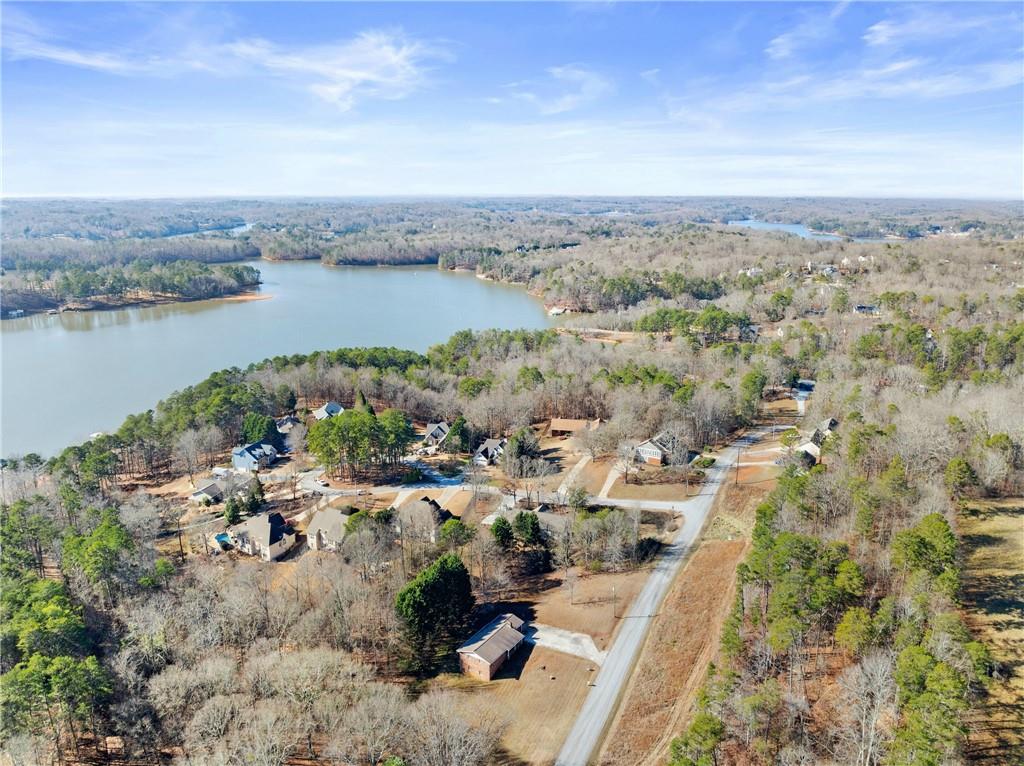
<point x="538" y="709"/>
<point x="590" y="610"/>
<point x="594" y="473"/>
<point x="993" y="584"/>
<point x="653" y="483"/>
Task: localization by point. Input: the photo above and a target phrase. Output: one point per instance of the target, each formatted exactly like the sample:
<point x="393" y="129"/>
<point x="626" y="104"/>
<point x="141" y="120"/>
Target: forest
<point x="140" y="281"/>
<point x="853" y="579"/>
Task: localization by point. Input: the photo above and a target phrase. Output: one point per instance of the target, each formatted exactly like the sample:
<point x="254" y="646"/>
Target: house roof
<point x="553" y="522"/>
<point x="209" y="487"/>
<point x="285" y="424"/>
<point x="437" y="431"/>
<point x="490" y="447"/>
<point x="265" y="530"/>
<point x="663" y="441"/>
<point x="496" y="638"/>
<point x="429" y="507"/>
<point x="329" y="410"/>
<point x="828" y="424"/>
<point x="256" y="450"/>
<point x="330" y="522"/>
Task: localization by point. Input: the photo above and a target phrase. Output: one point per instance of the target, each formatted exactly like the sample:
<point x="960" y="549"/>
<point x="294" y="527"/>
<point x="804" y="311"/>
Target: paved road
<point x="308" y="479"/>
<point x="602" y="701"/>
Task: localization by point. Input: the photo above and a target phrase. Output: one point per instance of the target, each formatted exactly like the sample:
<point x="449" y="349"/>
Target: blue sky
<point x="859" y="99"/>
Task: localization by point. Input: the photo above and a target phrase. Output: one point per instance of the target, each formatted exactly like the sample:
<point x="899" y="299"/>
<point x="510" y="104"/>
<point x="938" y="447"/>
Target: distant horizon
<point x="424" y="197"/>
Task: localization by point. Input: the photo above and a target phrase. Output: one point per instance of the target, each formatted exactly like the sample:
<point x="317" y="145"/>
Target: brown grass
<point x="651" y="491"/>
<point x="684" y="639"/>
<point x="538" y="692"/>
<point x="993" y="581"/>
<point x="682" y="642"/>
<point x="590" y="608"/>
<point x="594" y="473"/>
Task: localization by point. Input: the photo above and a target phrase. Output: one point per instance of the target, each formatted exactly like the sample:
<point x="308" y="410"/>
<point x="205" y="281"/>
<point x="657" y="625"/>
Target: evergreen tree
<point x="502" y="532"/>
<point x="434" y="607"/>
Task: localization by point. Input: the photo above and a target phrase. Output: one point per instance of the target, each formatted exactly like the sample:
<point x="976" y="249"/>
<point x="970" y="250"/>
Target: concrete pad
<point x="565" y="641"/>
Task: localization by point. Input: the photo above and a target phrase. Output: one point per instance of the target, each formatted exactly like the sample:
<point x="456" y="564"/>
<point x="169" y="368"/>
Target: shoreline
<point x="244" y="296"/>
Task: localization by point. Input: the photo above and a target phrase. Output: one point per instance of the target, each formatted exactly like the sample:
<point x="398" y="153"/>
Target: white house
<point x="663" y="449"/>
<point x="489" y="452"/>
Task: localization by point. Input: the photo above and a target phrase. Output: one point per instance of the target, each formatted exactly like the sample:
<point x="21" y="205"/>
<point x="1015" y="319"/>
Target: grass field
<point x="993" y="590"/>
<point x="537" y="695"/>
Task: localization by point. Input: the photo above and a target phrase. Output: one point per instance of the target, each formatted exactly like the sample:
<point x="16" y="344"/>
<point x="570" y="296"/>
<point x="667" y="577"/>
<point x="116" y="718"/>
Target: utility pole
<point x="739" y="453"/>
<point x="614" y="615"/>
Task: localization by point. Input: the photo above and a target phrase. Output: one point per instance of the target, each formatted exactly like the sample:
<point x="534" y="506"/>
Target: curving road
<point x="602" y="701"/>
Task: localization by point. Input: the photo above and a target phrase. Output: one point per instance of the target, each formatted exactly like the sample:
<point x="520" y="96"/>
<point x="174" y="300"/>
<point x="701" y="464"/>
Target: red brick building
<point x="487" y="649"/>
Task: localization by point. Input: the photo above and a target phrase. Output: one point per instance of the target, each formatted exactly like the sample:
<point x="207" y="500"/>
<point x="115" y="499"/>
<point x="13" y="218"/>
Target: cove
<point x="67" y="376"/>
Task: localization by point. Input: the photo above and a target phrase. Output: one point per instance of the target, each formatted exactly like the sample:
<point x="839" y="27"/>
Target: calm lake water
<point x="67" y="376"/>
<point x="792" y="228"/>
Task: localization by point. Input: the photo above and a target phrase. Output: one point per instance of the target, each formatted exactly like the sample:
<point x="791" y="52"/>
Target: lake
<point x="791" y="228"/>
<point x="67" y="376"/>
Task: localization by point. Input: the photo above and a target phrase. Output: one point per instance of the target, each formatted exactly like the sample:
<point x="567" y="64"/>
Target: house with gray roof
<point x="286" y="424"/>
<point x="253" y="457"/>
<point x="267" y="536"/>
<point x="488" y="649"/>
<point x="664" y="449"/>
<point x="489" y="452"/>
<point x="214" y="490"/>
<point x="436" y="434"/>
<point x="327" y="530"/>
<point x="329" y="410"/>
<point x="421" y="519"/>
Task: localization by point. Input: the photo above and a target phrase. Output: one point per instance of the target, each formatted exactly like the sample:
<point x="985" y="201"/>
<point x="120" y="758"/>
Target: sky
<point x="332" y="99"/>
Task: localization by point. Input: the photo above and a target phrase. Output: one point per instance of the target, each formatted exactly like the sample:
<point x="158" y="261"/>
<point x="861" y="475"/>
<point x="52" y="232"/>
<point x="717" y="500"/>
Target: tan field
<point x="594" y="473"/>
<point x="589" y="610"/>
<point x="993" y="541"/>
<point x="537" y="694"/>
<point x="672" y="665"/>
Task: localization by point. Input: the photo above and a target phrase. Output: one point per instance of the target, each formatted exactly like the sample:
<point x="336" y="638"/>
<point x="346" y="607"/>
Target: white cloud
<point x="584" y="86"/>
<point x="814" y="29"/>
<point x="928" y="23"/>
<point x="378" y="64"/>
<point x="373" y="64"/>
<point x="651" y="76"/>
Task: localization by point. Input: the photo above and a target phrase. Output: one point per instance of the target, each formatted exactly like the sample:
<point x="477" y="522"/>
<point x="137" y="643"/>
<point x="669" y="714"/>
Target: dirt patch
<point x="781" y="407"/>
<point x="682" y="642"/>
<point x="588" y="608"/>
<point x="538" y="692"/>
<point x="756" y="474"/>
<point x="563" y="455"/>
<point x="992" y="533"/>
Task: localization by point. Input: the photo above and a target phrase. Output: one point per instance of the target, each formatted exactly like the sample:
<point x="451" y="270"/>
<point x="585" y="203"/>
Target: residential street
<point x="601" y="702"/>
